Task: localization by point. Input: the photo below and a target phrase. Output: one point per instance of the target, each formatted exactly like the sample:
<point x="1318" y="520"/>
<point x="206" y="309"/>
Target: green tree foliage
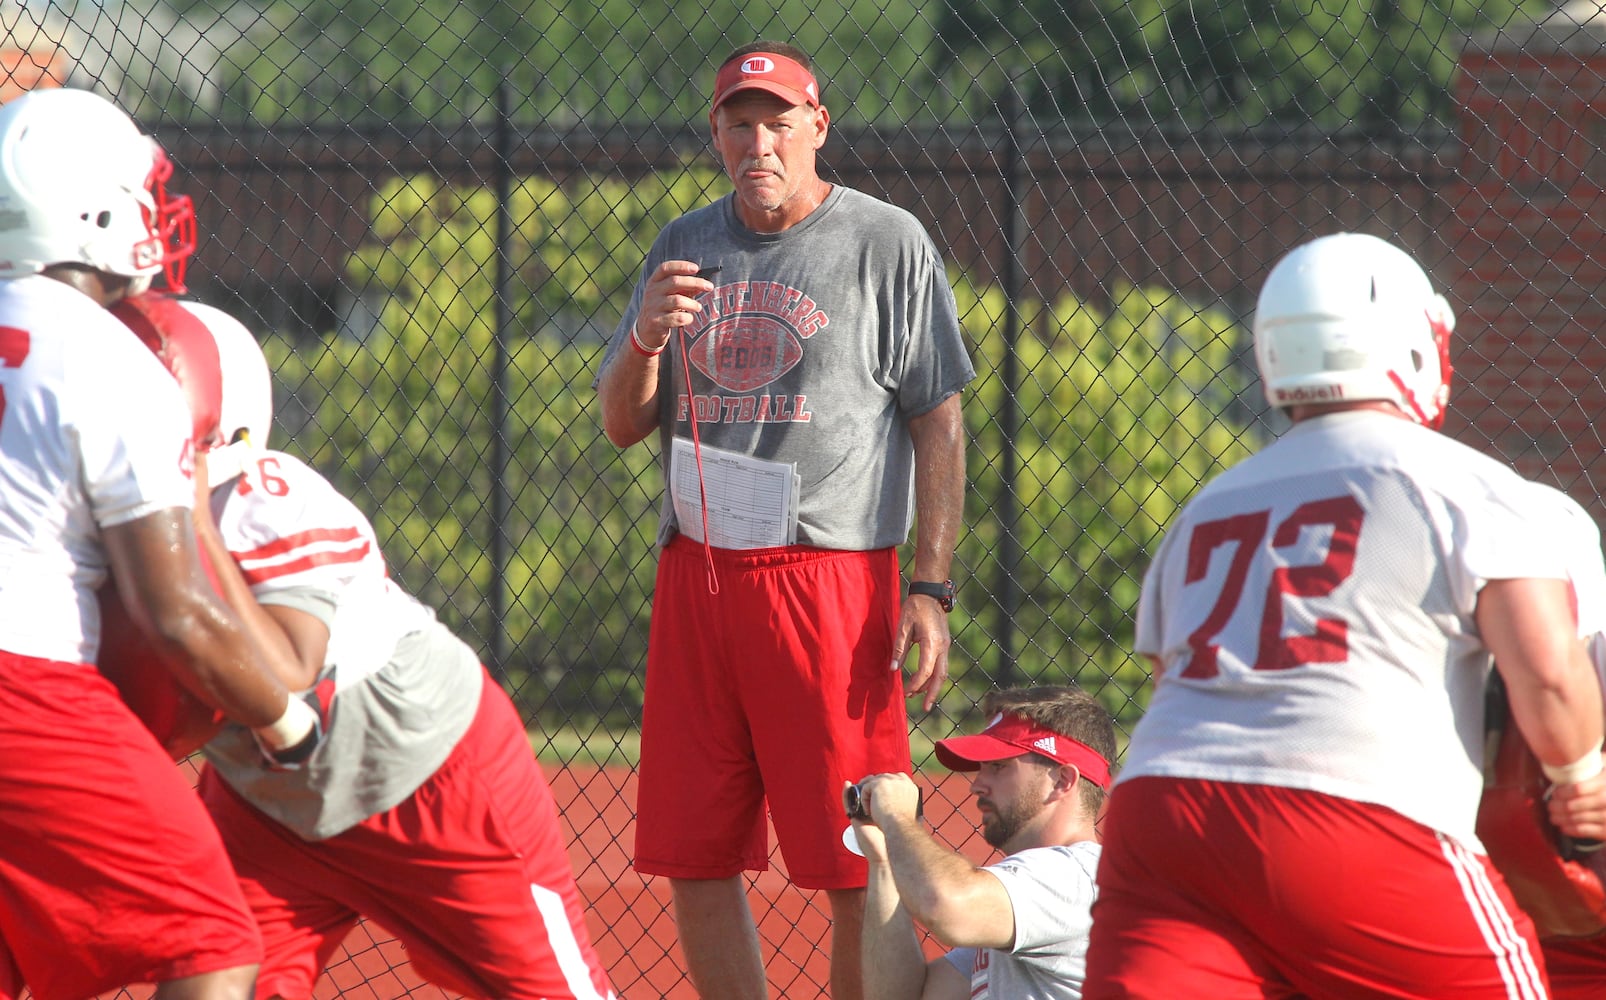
<point x="337" y="61"/>
<point x="1233" y="63"/>
<point x="1123" y="413"/>
<point x="1375" y="63"/>
<point x="402" y="419"/>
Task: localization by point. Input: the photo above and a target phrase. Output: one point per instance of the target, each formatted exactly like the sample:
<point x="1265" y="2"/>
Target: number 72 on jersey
<point x="1246" y="536"/>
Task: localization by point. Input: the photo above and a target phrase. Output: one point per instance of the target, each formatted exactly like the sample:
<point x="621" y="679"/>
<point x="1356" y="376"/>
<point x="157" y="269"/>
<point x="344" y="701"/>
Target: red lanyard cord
<point x="697" y="451"/>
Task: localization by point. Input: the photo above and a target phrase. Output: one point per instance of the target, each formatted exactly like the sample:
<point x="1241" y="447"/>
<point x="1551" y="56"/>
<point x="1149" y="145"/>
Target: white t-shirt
<point x="1051" y="890"/>
<point x="1312" y="613"/>
<point x="93" y="432"/>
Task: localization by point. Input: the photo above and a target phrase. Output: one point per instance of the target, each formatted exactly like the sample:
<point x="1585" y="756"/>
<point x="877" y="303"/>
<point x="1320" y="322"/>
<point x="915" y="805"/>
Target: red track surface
<point x="630" y="921"/>
<point x="629" y="917"/>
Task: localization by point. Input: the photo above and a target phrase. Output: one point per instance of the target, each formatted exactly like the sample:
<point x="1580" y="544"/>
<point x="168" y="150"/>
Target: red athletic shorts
<point x="1577" y="967"/>
<point x="779" y="686"/>
<point x="1221" y="891"/>
<point x="471" y="874"/>
<point x="110" y="871"/>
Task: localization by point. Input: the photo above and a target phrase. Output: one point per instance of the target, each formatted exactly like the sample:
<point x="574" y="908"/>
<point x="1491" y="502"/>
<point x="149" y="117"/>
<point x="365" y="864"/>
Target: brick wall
<point x="23" y="69"/>
<point x="1528" y="248"/>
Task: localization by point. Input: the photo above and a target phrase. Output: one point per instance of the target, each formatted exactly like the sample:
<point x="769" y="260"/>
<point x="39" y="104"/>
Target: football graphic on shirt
<point x="746" y="351"/>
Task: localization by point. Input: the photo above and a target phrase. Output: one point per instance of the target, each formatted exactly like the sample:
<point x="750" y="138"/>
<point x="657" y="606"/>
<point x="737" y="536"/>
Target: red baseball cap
<point x="1013" y="736"/>
<point x="769" y="72"/>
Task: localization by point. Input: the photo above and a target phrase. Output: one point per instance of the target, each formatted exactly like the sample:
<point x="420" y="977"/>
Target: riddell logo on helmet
<point x="1310" y="394"/>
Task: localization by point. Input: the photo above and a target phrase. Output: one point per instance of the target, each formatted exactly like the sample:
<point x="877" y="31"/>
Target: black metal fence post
<point x="1013" y="278"/>
<point x="501" y="501"/>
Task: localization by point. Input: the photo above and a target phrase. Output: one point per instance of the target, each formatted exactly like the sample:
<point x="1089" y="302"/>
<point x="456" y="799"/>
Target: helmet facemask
<point x="171" y="219"/>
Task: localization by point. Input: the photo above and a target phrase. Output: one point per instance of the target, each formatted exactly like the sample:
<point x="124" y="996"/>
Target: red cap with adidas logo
<point x="1013" y="735"/>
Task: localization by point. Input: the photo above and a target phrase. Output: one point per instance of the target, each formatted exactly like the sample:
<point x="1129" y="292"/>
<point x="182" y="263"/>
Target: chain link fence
<point x="433" y="213"/>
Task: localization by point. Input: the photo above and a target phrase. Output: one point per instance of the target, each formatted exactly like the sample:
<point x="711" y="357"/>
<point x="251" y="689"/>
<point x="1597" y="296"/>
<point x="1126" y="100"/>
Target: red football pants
<point x="1216" y="891"/>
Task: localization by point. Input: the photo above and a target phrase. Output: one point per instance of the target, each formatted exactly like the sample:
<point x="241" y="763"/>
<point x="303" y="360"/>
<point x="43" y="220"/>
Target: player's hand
<point x="922" y="622"/>
<point x="669" y="300"/>
<point x="288" y="744"/>
<point x="1579" y="810"/>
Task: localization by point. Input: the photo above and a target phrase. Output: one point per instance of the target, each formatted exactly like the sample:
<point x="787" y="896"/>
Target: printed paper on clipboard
<point x="752" y="503"/>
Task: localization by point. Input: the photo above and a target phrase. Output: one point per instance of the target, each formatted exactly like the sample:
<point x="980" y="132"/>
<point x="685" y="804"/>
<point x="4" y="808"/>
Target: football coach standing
<point x="796" y="347"/>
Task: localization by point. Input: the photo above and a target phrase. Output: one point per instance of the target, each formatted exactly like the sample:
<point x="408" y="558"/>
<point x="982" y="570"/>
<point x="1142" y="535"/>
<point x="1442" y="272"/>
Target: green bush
<point x="1122" y="413"/>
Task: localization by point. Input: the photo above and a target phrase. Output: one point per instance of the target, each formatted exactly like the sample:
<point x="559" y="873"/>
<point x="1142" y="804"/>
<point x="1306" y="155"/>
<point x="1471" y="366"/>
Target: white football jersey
<point x="1312" y="609"/>
<point x="405" y="688"/>
<point x="290" y="530"/>
<point x="93" y="432"/>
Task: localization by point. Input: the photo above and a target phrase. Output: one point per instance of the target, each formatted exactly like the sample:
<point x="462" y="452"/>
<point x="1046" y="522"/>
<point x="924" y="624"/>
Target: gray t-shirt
<point x="816" y="347"/>
<point x="1051" y="890"/>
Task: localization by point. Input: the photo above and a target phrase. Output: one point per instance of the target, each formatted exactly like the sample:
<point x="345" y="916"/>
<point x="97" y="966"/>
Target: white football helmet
<point x="1352" y="317"/>
<point x="79" y="183"/>
<point x="246" y="415"/>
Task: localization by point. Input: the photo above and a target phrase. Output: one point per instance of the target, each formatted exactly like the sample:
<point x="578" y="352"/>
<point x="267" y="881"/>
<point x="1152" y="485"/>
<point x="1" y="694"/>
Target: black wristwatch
<point x="943" y="592"/>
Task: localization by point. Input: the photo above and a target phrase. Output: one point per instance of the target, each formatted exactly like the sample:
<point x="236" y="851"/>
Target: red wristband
<point x="643" y="349"/>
